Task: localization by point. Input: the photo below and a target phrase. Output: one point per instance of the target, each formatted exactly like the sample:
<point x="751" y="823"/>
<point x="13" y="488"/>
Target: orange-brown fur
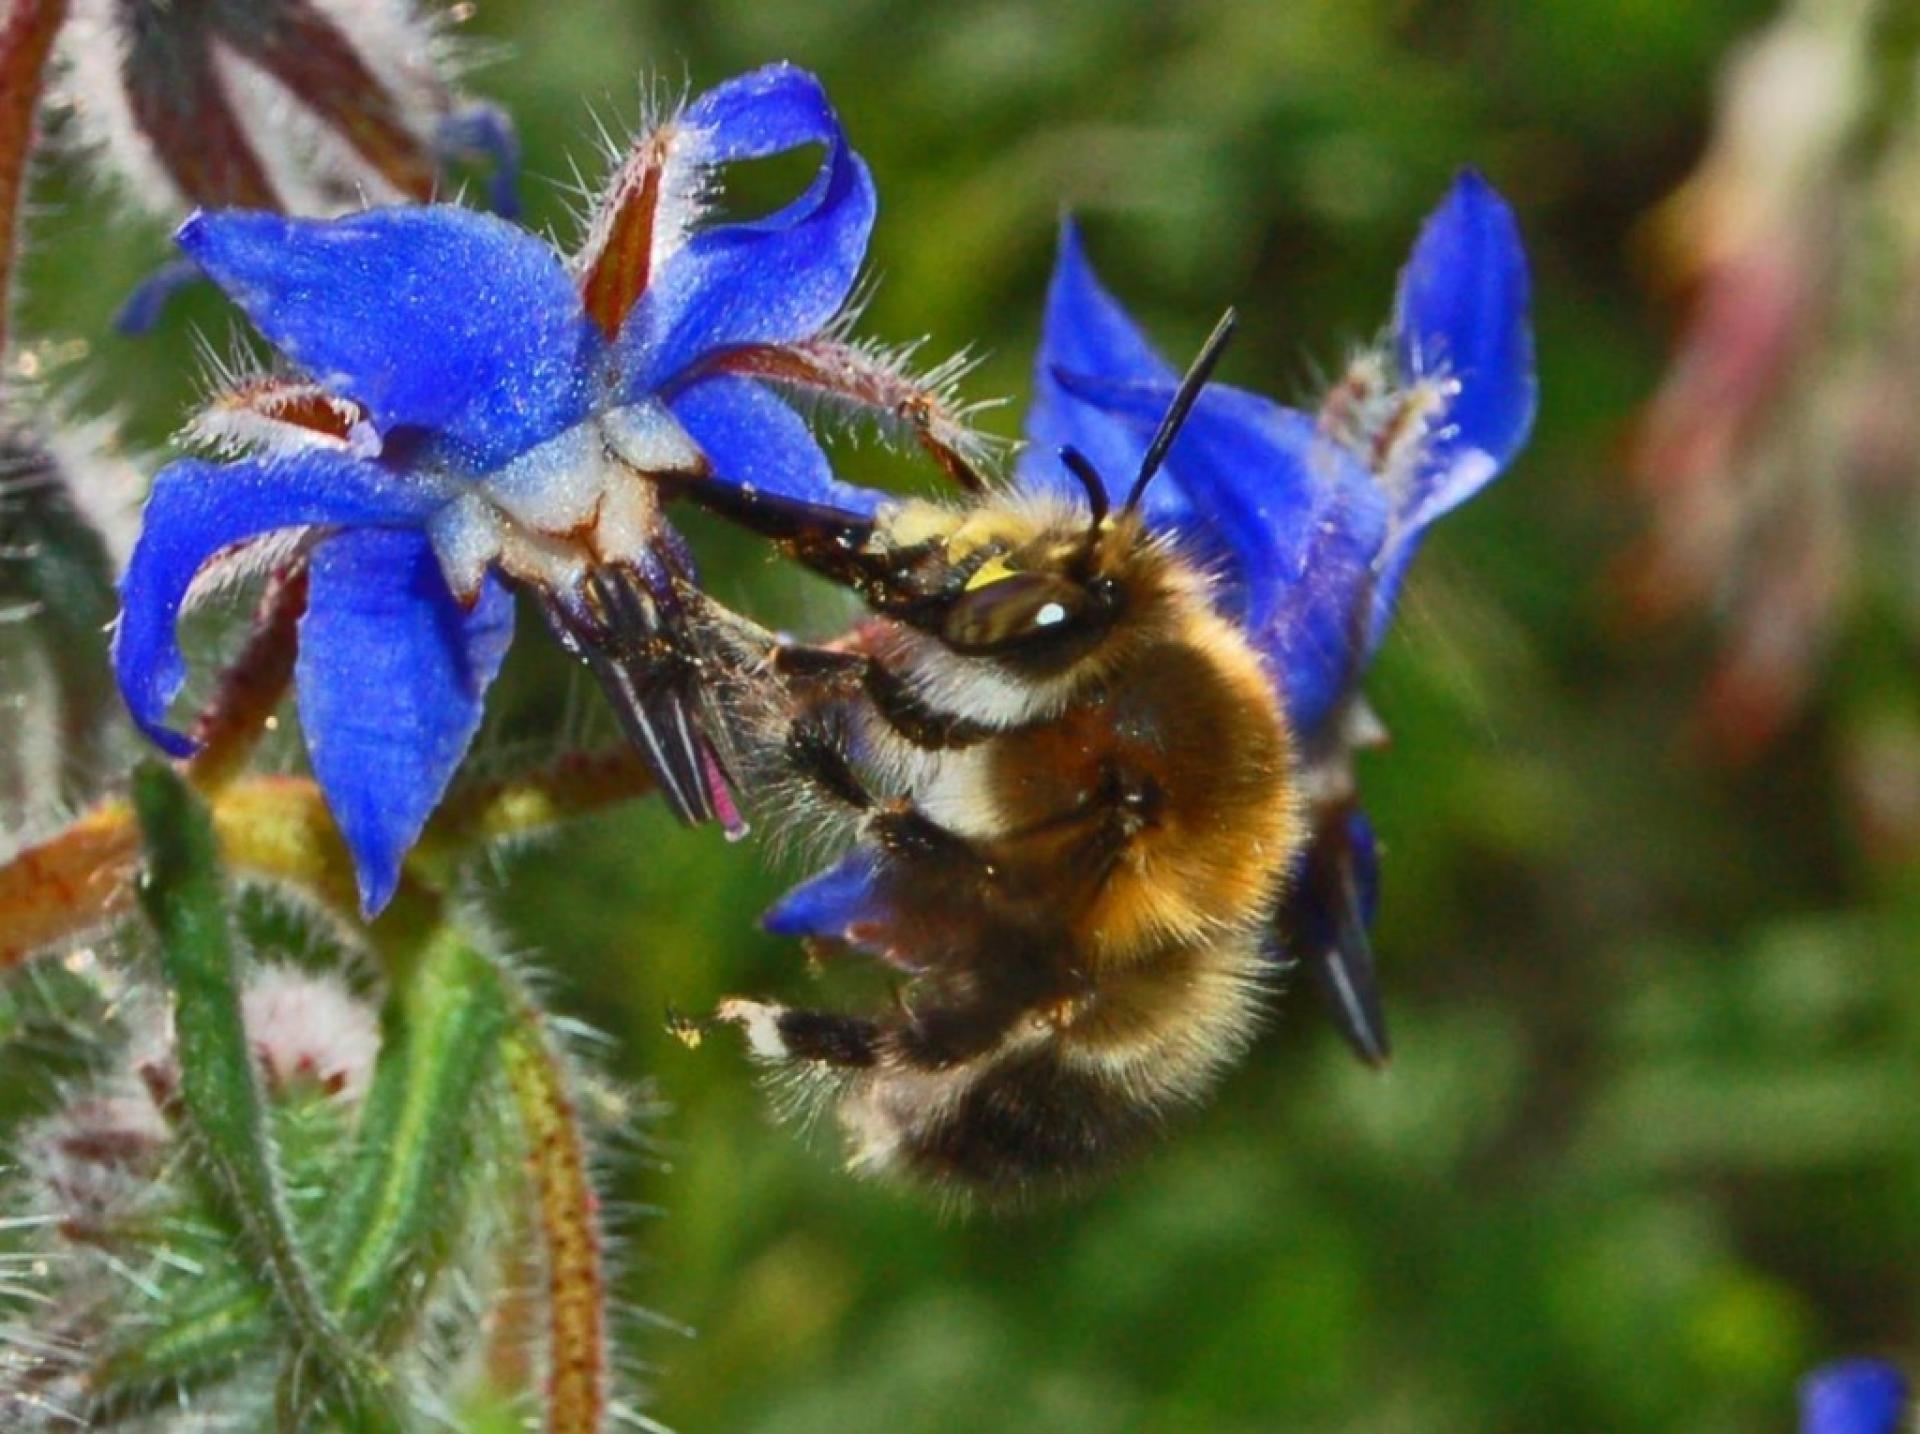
<point x="1109" y="951"/>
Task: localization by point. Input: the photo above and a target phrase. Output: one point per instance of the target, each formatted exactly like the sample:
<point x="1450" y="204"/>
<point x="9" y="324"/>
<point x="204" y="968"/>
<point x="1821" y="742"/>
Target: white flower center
<point x="583" y="498"/>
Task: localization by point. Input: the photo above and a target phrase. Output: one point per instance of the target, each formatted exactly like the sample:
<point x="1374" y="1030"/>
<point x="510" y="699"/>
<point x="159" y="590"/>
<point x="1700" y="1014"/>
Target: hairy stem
<point x="231" y="724"/>
<point x="443" y="1030"/>
<point x="576" y="1395"/>
<point x="218" y="1093"/>
<point x="26" y="38"/>
<point x="278" y="828"/>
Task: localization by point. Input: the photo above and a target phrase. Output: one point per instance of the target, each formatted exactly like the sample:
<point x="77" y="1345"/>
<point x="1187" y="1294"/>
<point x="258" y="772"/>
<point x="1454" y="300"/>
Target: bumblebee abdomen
<point x="1077" y="1085"/>
<point x="1023" y="1124"/>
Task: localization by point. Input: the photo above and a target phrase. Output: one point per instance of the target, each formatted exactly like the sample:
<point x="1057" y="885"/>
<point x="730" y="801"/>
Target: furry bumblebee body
<point x="1096" y="758"/>
<point x="1093" y="818"/>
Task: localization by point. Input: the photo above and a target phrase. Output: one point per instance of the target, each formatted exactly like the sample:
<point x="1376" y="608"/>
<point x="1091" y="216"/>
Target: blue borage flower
<point x="1309" y="520"/>
<point x="478" y="412"/>
<point x="1855" y="1396"/>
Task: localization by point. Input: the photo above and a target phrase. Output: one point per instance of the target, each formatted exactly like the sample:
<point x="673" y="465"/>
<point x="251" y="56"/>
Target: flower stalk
<point x="217" y="1095"/>
<point x="278" y="829"/>
<point x="569" y="1219"/>
<point x="26" y="39"/>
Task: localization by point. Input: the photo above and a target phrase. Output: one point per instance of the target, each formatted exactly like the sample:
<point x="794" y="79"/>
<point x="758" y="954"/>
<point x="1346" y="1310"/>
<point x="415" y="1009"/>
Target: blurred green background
<point x="1650" y="1145"/>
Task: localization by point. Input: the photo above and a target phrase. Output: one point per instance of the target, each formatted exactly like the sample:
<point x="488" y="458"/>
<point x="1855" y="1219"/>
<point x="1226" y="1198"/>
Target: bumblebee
<point x="1072" y="789"/>
<point x="1094" y="746"/>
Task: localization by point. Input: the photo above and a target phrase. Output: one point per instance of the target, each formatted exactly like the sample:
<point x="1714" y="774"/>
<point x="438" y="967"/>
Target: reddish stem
<point x="229" y="727"/>
<point x="569" y="1215"/>
<point x="833" y="369"/>
<point x="26" y="38"/>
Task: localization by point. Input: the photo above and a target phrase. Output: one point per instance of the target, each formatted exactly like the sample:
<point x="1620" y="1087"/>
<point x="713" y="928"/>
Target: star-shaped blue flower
<point x="1310" y="520"/>
<point x="1855" y="1396"/>
<point x="477" y="411"/>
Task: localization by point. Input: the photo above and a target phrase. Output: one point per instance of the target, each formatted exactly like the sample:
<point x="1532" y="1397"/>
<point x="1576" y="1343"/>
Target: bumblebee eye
<point x="1012" y="611"/>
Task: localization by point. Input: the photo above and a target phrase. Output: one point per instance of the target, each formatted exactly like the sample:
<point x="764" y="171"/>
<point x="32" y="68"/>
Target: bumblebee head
<point x="1034" y="591"/>
<point x="1061" y="591"/>
<point x="1049" y="597"/>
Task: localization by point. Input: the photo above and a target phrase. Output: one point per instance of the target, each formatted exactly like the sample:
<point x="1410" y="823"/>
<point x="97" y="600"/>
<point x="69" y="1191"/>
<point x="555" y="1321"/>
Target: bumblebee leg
<point x="817" y="753"/>
<point x="903" y="831"/>
<point x="781" y="1033"/>
<point x="898" y="827"/>
<point x="891" y="697"/>
<point x="932" y="1040"/>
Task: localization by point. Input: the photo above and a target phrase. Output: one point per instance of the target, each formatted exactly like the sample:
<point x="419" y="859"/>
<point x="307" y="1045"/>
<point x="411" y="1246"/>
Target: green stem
<point x="443" y="1030"/>
<point x="207" y="1338"/>
<point x="218" y="1092"/>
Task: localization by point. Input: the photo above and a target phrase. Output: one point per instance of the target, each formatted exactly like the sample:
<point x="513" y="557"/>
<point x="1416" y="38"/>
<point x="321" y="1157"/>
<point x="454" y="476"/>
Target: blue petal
<point x="771" y="280"/>
<point x="765" y="111"/>
<point x="435" y="318"/>
<point x="1857" y="1396"/>
<point x="1087" y="332"/>
<point x="1314" y="636"/>
<point x="1297" y="520"/>
<point x="142" y="310"/>
<point x="194" y="510"/>
<point x="392" y="673"/>
<point x="830" y="906"/>
<point x="479" y="128"/>
<point x="1462" y="313"/>
<point x="753" y="439"/>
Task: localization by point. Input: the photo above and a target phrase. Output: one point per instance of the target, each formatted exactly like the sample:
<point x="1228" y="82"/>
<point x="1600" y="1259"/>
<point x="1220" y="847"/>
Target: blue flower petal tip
<point x="486" y="130"/>
<point x="1463" y="310"/>
<point x="380" y="619"/>
<point x="1855" y="1396"/>
<point x="1311" y="520"/>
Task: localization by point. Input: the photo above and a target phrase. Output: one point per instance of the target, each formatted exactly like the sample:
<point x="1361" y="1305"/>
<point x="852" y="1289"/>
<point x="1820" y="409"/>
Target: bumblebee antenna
<point x="1183" y="400"/>
<point x="1082" y="468"/>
